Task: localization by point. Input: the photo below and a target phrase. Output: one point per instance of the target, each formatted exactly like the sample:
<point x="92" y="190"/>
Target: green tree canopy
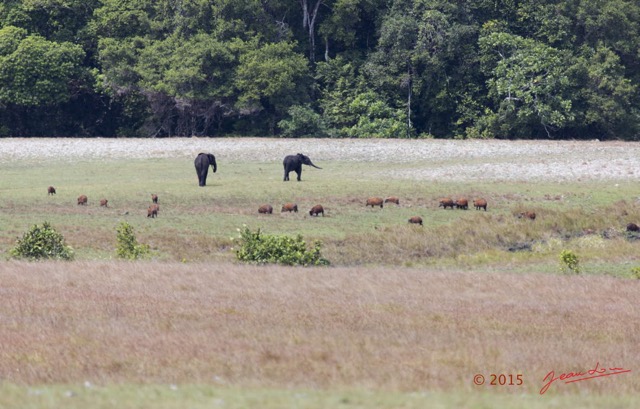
<point x="528" y="85"/>
<point x="35" y="71"/>
<point x="366" y="68"/>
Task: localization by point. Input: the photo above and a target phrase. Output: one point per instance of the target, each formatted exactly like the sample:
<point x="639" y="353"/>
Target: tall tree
<point x="37" y="75"/>
<point x="34" y="71"/>
<point x="528" y="84"/>
<point x="426" y="60"/>
<point x="604" y="100"/>
<point x="271" y="77"/>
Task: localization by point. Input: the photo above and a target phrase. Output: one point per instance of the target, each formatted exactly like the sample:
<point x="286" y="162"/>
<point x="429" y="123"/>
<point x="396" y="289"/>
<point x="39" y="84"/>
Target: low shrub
<point x="256" y="247"/>
<point x="570" y="262"/>
<point x="128" y="246"/>
<point x="42" y="242"/>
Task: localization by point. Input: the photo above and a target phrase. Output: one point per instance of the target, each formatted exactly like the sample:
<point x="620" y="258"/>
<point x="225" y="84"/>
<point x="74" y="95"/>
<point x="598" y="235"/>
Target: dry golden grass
<point x="492" y="234"/>
<point x="252" y="326"/>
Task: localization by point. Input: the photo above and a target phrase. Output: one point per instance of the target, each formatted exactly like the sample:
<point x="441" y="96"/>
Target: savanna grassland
<point x="405" y="316"/>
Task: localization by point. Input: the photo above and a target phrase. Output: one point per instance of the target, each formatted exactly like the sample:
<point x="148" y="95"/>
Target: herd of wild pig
<point x="461" y="203"/>
<point x="83" y="200"/>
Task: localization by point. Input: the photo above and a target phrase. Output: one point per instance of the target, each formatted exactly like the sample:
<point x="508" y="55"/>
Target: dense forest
<point x="504" y="69"/>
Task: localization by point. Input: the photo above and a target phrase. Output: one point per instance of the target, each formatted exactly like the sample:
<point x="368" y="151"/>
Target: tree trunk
<point x="409" y="86"/>
<point x="309" y="22"/>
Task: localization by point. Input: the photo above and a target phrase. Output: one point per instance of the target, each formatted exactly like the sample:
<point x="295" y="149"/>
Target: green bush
<point x="570" y="262"/>
<point x="261" y="248"/>
<point x="128" y="247"/>
<point x="42" y="242"/>
<point x="635" y="273"/>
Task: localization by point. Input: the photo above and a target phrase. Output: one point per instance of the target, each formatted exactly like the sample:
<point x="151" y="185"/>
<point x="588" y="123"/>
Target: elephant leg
<point x="203" y="176"/>
<point x="286" y="175"/>
<point x="299" y="172"/>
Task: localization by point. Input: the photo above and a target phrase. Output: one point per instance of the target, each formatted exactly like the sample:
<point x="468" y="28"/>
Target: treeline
<point x="335" y="68"/>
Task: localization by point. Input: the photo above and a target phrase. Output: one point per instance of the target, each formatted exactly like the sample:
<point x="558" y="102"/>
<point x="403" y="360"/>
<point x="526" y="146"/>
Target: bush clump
<point x="570" y="262"/>
<point x="42" y="242"/>
<point x="128" y="246"/>
<point x="256" y="247"/>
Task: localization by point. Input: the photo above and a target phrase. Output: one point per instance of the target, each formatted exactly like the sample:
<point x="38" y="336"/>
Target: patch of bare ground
<point x="396" y="329"/>
<point x="448" y="160"/>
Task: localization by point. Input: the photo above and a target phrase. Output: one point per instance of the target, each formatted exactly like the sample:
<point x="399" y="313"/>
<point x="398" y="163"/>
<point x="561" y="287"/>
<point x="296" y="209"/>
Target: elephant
<point x="293" y="163"/>
<point x="202" y="162"/>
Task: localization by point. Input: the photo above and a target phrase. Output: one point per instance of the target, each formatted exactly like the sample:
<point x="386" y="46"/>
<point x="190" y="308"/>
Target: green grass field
<point x="403" y="318"/>
<point x="197" y="224"/>
<point x="201" y="397"/>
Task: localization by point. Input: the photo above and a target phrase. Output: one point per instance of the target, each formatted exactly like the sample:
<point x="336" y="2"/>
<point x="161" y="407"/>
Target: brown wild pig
<point x="315" y="210"/>
<point x="374" y="201"/>
<point x="416" y="220"/>
<point x="480" y="204"/>
<point x="462" y="203"/>
<point x="632" y="227"/>
<point x="51" y="190"/>
<point x="289" y="207"/>
<point x="265" y="208"/>
<point x="527" y="215"/>
<point x="153" y="210"/>
<point x="104" y="203"/>
<point x="154" y="198"/>
<point x="82" y="200"/>
<point x="446" y="202"/>
<point x="392" y="199"/>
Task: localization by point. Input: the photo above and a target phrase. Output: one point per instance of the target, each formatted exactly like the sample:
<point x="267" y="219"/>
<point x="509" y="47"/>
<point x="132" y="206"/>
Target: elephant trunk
<point x="212" y="162"/>
<point x="311" y="164"/>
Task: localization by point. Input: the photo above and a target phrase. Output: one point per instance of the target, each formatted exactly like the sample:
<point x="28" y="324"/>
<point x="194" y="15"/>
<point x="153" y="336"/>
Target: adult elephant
<point x="293" y="163"/>
<point x="202" y="162"/>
